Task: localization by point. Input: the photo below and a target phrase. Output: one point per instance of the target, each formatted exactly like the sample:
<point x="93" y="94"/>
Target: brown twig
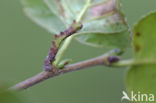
<point x="102" y="60"/>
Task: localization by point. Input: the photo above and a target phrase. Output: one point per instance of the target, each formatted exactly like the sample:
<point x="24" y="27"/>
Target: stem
<point x="102" y="60"/>
<point x="124" y="63"/>
<point x="69" y="39"/>
<point x="133" y="62"/>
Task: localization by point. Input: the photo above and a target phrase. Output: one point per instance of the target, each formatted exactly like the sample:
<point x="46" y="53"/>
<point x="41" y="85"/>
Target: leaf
<point x="103" y="19"/>
<point x="7" y="96"/>
<point x="142" y="78"/>
<point x="40" y="13"/>
<point x="107" y="30"/>
<point x="103" y="24"/>
<point x="113" y="40"/>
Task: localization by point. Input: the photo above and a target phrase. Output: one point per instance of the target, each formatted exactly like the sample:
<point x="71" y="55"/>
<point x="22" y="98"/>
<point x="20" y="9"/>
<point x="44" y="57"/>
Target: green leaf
<point x="102" y="19"/>
<point x="41" y="14"/>
<point x="105" y="26"/>
<point x="64" y="10"/>
<point x="113" y="40"/>
<point x="142" y="78"/>
<point x="7" y="96"/>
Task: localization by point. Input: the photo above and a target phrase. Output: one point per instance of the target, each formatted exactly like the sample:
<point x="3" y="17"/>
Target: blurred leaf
<point x="102" y="20"/>
<point x="7" y="96"/>
<point x="142" y="78"/>
<point x="40" y="13"/>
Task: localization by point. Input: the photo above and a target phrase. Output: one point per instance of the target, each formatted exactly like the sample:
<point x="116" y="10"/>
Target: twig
<point x="102" y="60"/>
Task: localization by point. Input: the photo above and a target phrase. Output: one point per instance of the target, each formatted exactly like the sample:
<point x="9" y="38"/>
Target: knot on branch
<point x="48" y="63"/>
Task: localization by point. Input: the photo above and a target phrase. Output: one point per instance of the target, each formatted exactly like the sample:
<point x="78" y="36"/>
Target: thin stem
<point x="133" y="62"/>
<point x="124" y="63"/>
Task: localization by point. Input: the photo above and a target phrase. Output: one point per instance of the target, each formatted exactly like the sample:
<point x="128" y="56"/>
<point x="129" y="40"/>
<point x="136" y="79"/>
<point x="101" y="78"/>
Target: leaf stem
<point x="132" y="62"/>
<point x="124" y="63"/>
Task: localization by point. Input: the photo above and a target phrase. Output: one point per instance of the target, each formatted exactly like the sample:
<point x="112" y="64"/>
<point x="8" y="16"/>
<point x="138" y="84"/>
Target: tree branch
<point x="102" y="60"/>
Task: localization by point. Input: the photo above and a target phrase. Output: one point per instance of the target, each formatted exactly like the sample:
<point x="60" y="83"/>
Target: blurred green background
<point x="24" y="46"/>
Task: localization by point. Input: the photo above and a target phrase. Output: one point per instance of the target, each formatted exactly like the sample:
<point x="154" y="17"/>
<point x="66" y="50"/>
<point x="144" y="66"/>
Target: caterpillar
<point x="58" y="39"/>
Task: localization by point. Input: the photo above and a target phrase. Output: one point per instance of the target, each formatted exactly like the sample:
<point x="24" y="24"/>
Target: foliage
<point x="7" y="96"/>
<point x="142" y="77"/>
<point x="104" y="25"/>
<point x="100" y="29"/>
